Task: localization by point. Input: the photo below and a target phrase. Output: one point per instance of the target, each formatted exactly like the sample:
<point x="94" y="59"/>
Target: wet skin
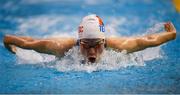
<point x="91" y="49"/>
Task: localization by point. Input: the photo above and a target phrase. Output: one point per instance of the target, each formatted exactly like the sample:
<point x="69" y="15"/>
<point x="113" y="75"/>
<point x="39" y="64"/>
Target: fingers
<point x="10" y="48"/>
<point x="169" y="27"/>
<point x="7" y="44"/>
<point x="13" y="49"/>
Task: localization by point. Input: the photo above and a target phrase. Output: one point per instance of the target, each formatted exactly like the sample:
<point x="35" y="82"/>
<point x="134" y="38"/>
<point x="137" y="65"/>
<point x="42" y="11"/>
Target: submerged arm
<point x="140" y="43"/>
<point x="49" y="46"/>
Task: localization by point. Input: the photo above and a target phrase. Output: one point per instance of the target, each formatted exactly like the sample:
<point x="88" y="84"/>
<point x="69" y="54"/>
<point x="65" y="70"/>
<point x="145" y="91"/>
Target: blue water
<point x="43" y="18"/>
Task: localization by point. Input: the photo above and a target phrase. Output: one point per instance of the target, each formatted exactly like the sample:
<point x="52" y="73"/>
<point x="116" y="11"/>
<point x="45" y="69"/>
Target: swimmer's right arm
<point x="55" y="47"/>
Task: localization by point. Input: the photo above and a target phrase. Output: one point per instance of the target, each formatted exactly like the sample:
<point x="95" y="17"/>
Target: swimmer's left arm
<point x="140" y="43"/>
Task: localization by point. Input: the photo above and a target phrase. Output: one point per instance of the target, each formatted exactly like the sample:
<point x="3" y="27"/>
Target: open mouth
<point x="92" y="59"/>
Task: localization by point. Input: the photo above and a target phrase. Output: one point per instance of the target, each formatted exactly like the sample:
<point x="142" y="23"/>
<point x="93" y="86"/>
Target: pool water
<point x="153" y="70"/>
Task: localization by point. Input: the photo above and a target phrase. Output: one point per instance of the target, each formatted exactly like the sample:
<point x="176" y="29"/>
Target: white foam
<point x="112" y="28"/>
<point x="40" y="23"/>
<point x="155" y="29"/>
<point x="32" y="57"/>
<point x="72" y="61"/>
<point x="110" y="60"/>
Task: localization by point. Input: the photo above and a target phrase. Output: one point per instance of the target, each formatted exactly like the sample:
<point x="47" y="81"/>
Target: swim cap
<point x="91" y="27"/>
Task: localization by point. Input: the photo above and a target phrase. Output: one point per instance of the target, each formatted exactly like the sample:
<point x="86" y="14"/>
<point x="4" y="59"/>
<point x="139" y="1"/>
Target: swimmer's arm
<point x="55" y="47"/>
<point x="140" y="43"/>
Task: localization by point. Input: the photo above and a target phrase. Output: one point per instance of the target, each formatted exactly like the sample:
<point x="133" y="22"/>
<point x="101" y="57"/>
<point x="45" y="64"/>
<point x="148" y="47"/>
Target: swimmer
<point x="91" y="41"/>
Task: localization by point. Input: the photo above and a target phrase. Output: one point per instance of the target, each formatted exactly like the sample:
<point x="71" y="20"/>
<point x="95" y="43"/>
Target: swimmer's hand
<point x="9" y="46"/>
<point x="169" y="27"/>
<point x="133" y="44"/>
<point x="12" y="49"/>
<point x="54" y="46"/>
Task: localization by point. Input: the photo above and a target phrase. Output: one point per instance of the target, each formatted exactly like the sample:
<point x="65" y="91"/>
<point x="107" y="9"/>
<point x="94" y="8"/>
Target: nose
<point x="92" y="55"/>
<point x="92" y="51"/>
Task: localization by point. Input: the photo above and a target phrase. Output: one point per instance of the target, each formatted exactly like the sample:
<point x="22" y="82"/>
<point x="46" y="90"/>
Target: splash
<point x="155" y="29"/>
<point x="110" y="60"/>
<point x="32" y="57"/>
<point x="72" y="61"/>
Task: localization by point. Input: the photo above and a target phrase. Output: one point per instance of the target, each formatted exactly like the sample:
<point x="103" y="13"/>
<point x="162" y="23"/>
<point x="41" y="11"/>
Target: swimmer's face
<point x="91" y="49"/>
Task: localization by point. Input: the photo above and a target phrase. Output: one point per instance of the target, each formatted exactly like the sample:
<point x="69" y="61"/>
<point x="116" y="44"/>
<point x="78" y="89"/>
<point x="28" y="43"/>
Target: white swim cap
<point x="91" y="27"/>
